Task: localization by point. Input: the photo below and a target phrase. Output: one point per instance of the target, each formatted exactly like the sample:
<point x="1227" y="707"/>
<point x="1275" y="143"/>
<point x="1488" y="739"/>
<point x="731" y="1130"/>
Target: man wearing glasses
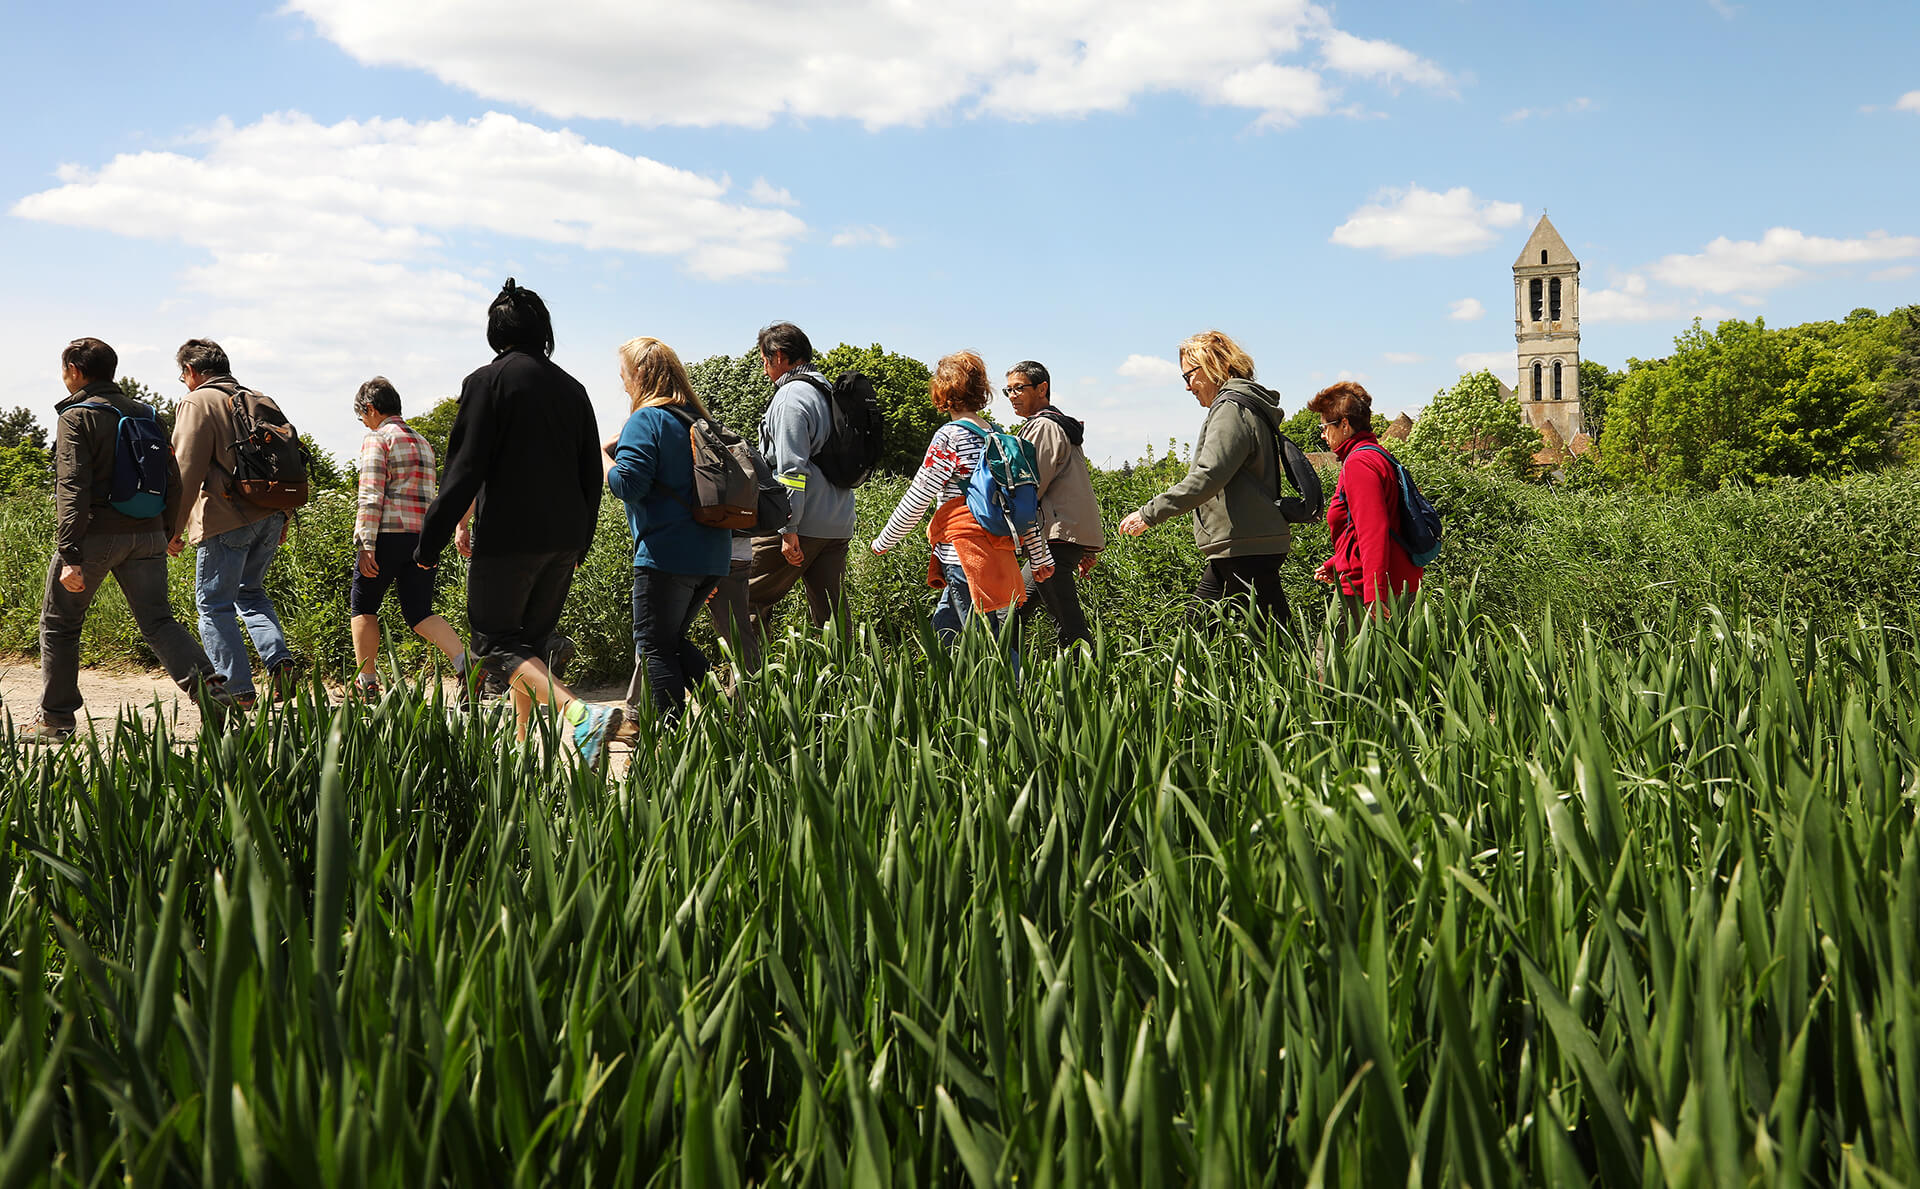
<point x="1069" y="513"/>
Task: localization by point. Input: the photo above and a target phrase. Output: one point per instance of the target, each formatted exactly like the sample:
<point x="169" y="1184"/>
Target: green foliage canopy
<point x="1471" y="423"/>
<point x="737" y="392"/>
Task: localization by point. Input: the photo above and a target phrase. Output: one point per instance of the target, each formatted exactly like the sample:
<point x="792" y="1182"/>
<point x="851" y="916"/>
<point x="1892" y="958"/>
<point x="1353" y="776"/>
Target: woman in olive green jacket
<point x="1232" y="484"/>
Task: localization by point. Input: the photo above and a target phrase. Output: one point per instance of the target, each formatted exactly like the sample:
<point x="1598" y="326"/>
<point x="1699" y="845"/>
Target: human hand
<point x="1042" y="572"/>
<point x="1325" y="572"/>
<point x="73" y="579"/>
<point x="790" y="548"/>
<point x="1133" y="525"/>
<point x="175" y="546"/>
<point x="463" y="538"/>
<point x="1086" y="563"/>
<point x="367" y="566"/>
<point x="610" y="445"/>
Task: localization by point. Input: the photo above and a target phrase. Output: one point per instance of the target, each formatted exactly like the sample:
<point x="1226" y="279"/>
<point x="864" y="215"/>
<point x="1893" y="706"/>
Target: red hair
<point x="1344" y="401"/>
<point x="960" y="384"/>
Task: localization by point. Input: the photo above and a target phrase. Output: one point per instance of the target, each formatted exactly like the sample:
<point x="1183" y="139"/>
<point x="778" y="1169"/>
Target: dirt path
<point x="110" y="692"/>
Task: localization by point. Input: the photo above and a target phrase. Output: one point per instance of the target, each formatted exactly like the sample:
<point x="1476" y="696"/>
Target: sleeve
<point x="636" y="460"/>
<point x="1219" y="458"/>
<point x="72" y="485"/>
<point x="372" y="492"/>
<point x="193" y="434"/>
<point x="470" y="448"/>
<point x="176" y="494"/>
<point x="1051" y="450"/>
<point x="790" y="448"/>
<point x="1370" y="511"/>
<point x="592" y="476"/>
<point x="935" y="469"/>
<point x="1034" y="543"/>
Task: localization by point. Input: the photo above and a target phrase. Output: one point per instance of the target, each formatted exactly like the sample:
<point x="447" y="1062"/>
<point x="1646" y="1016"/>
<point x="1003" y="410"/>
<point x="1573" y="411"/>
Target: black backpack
<point x="859" y="434"/>
<point x="269" y="459"/>
<point x="1289" y="460"/>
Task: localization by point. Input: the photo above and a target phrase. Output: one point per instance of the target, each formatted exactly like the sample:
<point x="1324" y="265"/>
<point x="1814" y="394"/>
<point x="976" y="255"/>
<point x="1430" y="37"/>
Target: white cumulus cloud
<point x="1908" y="102"/>
<point x="1149" y="368"/>
<point x="750" y="62"/>
<point x="1417" y="221"/>
<point x="1632" y="300"/>
<point x="1467" y="309"/>
<point x="332" y="251"/>
<point x="1780" y="257"/>
<point x="1505" y="365"/>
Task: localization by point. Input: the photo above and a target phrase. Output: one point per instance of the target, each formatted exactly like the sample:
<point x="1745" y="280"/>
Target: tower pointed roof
<point x="1545" y="238"/>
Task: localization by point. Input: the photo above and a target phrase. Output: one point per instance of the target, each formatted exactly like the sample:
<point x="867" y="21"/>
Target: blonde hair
<point x="1218" y="357"/>
<point x="654" y="376"/>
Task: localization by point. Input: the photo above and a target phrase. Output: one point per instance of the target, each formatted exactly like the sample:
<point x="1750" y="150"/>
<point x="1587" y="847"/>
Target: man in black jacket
<point x="525" y="455"/>
<point x="93" y="539"/>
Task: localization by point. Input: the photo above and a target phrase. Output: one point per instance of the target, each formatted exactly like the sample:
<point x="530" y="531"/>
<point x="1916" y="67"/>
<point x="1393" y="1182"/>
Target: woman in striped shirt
<point x="397" y="483"/>
<point x="975" y="570"/>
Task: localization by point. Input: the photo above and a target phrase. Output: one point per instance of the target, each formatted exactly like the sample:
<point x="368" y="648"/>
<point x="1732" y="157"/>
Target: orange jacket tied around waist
<point x="993" y="570"/>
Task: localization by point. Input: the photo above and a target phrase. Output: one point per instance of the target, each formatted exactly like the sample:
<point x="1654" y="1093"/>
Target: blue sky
<point x="335" y="188"/>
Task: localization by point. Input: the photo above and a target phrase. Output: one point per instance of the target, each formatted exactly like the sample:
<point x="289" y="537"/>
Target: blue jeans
<point x="664" y="606"/>
<point x="955" y="607"/>
<point x="228" y="574"/>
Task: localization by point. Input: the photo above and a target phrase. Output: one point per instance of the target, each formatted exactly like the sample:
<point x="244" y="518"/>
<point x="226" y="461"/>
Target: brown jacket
<point x="86" y="440"/>
<point x="1069" y="511"/>
<point x="203" y="437"/>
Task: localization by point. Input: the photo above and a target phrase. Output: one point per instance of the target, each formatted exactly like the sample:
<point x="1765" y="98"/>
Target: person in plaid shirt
<point x="396" y="486"/>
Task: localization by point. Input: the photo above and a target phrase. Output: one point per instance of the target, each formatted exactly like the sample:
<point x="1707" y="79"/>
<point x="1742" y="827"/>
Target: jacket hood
<point x="1249" y="388"/>
<point x="1076" y="431"/>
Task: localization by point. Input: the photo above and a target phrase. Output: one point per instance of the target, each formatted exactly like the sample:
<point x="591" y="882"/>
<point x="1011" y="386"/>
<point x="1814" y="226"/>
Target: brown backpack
<point x="725" y="493"/>
<point x="270" y="462"/>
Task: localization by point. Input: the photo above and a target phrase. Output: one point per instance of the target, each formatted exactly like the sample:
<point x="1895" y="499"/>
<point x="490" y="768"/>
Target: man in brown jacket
<point x="93" y="539"/>
<point x="236" y="539"/>
<point x="1069" y="513"/>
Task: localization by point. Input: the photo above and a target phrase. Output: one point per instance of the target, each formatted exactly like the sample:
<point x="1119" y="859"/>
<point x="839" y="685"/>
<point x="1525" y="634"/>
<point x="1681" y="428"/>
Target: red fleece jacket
<point x="1361" y="518"/>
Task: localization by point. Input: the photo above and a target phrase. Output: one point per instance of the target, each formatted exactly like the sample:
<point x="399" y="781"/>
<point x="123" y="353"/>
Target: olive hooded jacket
<point x="1231" y="484"/>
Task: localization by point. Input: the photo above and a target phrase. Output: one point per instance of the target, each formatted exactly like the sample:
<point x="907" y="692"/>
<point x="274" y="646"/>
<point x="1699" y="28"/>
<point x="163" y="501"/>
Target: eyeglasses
<point x="1016" y="389"/>
<point x="1186" y="377"/>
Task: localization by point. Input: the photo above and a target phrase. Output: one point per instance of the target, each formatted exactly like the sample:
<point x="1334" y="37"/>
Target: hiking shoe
<point x="595" y="728"/>
<point x="560" y="654"/>
<point x="45" y="732"/>
<point x="217" y="707"/>
<point x="283" y="681"/>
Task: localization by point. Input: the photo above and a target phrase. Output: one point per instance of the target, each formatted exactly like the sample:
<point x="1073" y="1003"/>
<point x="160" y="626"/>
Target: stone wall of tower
<point x="1544" y="341"/>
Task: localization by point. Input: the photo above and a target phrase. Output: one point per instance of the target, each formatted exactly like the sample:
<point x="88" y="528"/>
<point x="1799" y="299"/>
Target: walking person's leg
<point x="63" y="613"/>
<point x="216" y="579"/>
<point x="142" y="576"/>
<point x="250" y="597"/>
<point x="663" y="608"/>
<point x="770" y="576"/>
<point x="730" y="622"/>
<point x="1060" y="595"/>
<point x="955" y="606"/>
<point x="414" y="588"/>
<point x="825" y="575"/>
<point x="694" y="664"/>
<point x="364" y="596"/>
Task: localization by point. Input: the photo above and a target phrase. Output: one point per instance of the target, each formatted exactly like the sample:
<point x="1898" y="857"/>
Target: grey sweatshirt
<point x="796" y="426"/>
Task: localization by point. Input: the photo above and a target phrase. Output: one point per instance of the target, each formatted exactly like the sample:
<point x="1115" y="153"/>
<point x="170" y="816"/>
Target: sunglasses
<point x="1016" y="389"/>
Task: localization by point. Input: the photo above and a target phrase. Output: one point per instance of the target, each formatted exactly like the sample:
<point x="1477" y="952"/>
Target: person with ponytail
<point x="525" y="455"/>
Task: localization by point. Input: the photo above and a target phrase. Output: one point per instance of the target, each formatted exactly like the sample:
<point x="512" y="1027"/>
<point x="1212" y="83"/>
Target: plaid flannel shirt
<point x="397" y="482"/>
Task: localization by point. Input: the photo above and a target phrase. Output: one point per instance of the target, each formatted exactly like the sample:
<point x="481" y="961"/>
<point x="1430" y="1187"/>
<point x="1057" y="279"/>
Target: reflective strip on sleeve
<point x="796" y="482"/>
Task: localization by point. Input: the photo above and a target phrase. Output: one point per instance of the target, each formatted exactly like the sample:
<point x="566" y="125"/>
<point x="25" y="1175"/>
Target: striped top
<point x="944" y="474"/>
<point x="397" y="482"/>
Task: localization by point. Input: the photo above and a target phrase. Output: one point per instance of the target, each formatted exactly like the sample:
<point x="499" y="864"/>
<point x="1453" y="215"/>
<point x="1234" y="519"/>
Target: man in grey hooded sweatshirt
<point x="812" y="547"/>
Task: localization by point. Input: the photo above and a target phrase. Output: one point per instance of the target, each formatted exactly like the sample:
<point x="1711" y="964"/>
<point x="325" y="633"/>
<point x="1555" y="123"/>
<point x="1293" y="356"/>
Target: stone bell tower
<point x="1546" y="328"/>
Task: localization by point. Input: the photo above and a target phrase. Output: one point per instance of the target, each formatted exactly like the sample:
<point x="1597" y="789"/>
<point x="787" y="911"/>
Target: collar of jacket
<point x="222" y="383"/>
<point x="1249" y="388"/>
<point x="801" y="371"/>
<point x="99" y="388"/>
<point x="1075" y="430"/>
<point x="1363" y="438"/>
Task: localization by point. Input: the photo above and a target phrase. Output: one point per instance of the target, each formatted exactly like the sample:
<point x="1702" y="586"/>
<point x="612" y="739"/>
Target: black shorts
<point x="514" y="602"/>
<point x="393" y="554"/>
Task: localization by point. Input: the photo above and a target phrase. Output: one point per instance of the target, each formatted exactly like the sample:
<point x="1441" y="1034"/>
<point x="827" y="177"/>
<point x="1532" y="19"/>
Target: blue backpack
<point x="1004" y="492"/>
<point x="1419" y="531"/>
<point x="140" y="454"/>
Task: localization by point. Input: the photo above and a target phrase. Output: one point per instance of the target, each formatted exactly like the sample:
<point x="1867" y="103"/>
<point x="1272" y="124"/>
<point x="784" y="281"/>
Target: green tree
<point x="1598" y="383"/>
<point x="163" y="407"/>
<point x="324" y="472"/>
<point x="1304" y="428"/>
<point x="436" y="425"/>
<point x="1899" y="383"/>
<point x="734" y="389"/>
<point x="1471" y="423"/>
<point x="19" y="426"/>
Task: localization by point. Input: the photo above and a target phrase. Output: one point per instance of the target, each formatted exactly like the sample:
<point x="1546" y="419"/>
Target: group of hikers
<point x="525" y="470"/>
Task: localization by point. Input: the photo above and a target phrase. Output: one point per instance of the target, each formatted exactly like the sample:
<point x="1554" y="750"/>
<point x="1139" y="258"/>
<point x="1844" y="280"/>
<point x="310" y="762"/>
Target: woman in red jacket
<point x="1368" y="561"/>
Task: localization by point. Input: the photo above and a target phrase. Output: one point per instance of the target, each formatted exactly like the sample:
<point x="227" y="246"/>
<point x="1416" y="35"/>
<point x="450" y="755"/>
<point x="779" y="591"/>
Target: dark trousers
<point x="138" y="562"/>
<point x="664" y="606"/>
<point x="514" y="601"/>
<point x="822" y="569"/>
<point x="731" y="621"/>
<point x="1059" y="594"/>
<point x="1241" y="578"/>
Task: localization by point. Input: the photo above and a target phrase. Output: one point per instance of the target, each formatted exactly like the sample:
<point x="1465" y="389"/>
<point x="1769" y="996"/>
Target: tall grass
<point x="1488" y="906"/>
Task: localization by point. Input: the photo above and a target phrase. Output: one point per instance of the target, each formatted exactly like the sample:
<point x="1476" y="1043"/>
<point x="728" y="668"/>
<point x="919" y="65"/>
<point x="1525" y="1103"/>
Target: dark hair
<point x="960" y="384"/>
<point x="519" y="319"/>
<point x="784" y="338"/>
<point x="91" y="358"/>
<point x="204" y="356"/>
<point x="1345" y="401"/>
<point x="1033" y="373"/>
<point x="379" y="395"/>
